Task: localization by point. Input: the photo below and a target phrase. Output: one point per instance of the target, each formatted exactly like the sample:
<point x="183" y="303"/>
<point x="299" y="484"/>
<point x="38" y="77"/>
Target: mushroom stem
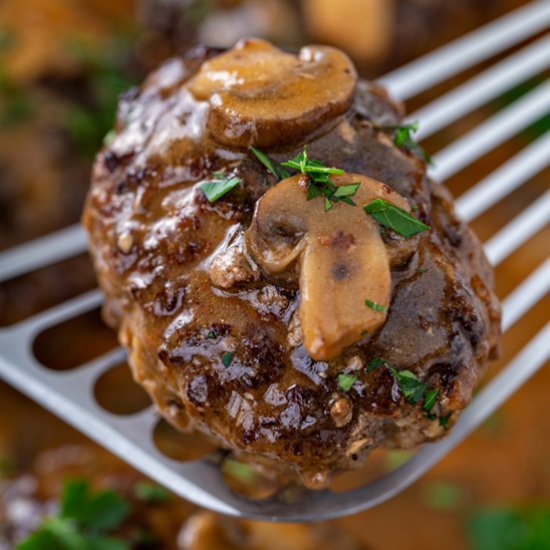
<point x="334" y="283"/>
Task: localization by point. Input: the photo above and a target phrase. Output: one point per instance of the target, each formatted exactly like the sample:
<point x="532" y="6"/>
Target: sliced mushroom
<point x="262" y="96"/>
<point x="341" y="256"/>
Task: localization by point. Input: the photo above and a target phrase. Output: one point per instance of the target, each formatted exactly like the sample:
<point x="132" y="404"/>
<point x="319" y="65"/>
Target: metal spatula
<point x="70" y="394"/>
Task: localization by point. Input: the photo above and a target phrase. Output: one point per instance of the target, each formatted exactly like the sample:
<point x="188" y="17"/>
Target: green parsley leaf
<point x="421" y="270"/>
<point x="430" y="397"/>
<point x="402" y="135"/>
<point x="402" y="138"/>
<point x="151" y="492"/>
<point x="397" y="219"/>
<point x="444" y="421"/>
<point x="219" y="186"/>
<point x="412" y="389"/>
<point x="375" y="306"/>
<point x="317" y="167"/>
<point x="347" y="190"/>
<point x="347" y="200"/>
<point x="313" y="191"/>
<point x="53" y="533"/>
<point x="63" y="535"/>
<point x="273" y="167"/>
<point x="227" y="357"/>
<point x="101" y="511"/>
<point x="302" y="163"/>
<point x="319" y="183"/>
<point x="211" y="335"/>
<point x="346" y="381"/>
<point x="82" y="522"/>
<point x="374" y="363"/>
<point x="510" y="528"/>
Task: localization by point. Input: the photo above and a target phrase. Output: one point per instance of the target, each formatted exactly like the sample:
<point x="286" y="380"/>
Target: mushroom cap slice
<point x="259" y="95"/>
<point x="341" y="257"/>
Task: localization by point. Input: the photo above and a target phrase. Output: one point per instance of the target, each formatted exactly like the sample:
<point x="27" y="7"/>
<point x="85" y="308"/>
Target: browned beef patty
<point x="216" y="340"/>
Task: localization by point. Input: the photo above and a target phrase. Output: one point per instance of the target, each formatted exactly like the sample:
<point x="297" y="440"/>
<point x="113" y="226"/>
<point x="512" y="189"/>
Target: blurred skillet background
<point x="63" y="64"/>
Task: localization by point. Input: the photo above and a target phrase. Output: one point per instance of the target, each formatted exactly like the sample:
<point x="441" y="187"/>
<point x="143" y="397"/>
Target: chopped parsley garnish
<point x="402" y="138"/>
<point x="421" y="270"/>
<point x="374" y="363"/>
<point x="430" y="398"/>
<point x="394" y="218"/>
<point x="84" y="520"/>
<point x="444" y="421"/>
<point x="412" y="389"/>
<point x="346" y="190"/>
<point x="375" y="306"/>
<point x="227" y="357"/>
<point x="319" y="183"/>
<point x="151" y="492"/>
<point x="221" y="184"/>
<point x="308" y="166"/>
<point x="510" y="527"/>
<point x="402" y="135"/>
<point x="100" y="510"/>
<point x="211" y="335"/>
<point x="346" y="381"/>
<point x="273" y="167"/>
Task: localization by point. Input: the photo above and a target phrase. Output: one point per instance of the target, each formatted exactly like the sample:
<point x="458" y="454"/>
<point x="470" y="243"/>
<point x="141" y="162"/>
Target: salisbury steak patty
<point x="206" y="295"/>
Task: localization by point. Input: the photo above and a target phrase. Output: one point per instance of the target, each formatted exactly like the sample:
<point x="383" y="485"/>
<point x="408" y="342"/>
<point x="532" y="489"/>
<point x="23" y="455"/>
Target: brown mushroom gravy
<point x="224" y="341"/>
